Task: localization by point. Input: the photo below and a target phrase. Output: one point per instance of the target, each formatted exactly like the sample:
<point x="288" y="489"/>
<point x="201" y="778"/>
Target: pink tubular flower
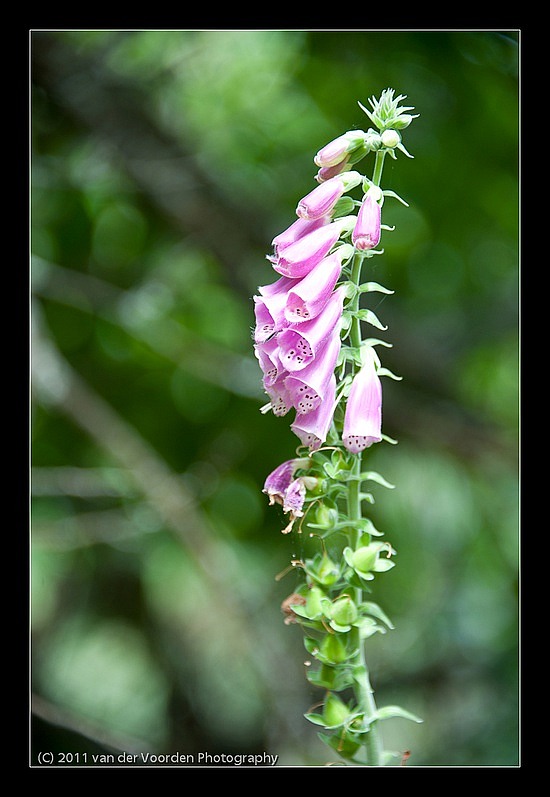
<point x="269" y="309"/>
<point x="280" y="479"/>
<point x="313" y="428"/>
<point x="280" y="398"/>
<point x="363" y="418"/>
<point x="308" y="388"/>
<point x="297" y="259"/>
<point x="324" y="197"/>
<point x="299" y="344"/>
<point x="283" y="488"/>
<point x="265" y="323"/>
<point x="321" y="200"/>
<point x="308" y="297"/>
<point x="296" y="231"/>
<point x="337" y="150"/>
<point x="267" y="354"/>
<point x="366" y="234"/>
<point x="328" y="172"/>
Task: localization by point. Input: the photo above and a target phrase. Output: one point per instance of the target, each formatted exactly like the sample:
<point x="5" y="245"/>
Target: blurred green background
<point x="163" y="163"/>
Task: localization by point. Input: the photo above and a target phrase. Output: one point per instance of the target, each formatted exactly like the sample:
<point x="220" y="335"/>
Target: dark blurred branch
<point x="203" y="359"/>
<point x="55" y="383"/>
<point x="115" y="111"/>
<point x="65" y="719"/>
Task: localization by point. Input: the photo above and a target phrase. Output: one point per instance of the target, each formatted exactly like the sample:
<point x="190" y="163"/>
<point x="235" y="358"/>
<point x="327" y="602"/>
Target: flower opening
<point x="363" y="417"/>
<point x="300" y="343"/>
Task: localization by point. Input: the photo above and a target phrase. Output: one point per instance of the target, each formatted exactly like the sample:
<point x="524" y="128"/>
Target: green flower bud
<point x="403" y="120"/>
<point x="313" y="605"/>
<point x="325" y="516"/>
<point x="390" y="138"/>
<point x="323" y="570"/>
<point x="363" y="559"/>
<point x="373" y="140"/>
<point x="343" y="611"/>
<point x="335" y="711"/>
<point x="333" y="650"/>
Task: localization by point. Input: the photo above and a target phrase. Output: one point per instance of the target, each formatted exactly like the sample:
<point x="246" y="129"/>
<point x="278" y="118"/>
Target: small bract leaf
<point x="317" y="719"/>
<point x="371" y="475"/>
<point x="390" y="712"/>
<point x="371" y="318"/>
<point x="374" y="286"/>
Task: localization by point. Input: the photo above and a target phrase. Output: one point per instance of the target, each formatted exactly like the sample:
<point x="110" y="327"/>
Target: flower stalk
<point x="316" y="360"/>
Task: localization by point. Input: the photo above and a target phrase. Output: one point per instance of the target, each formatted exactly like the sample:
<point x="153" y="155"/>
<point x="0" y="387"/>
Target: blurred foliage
<point x="163" y="163"/>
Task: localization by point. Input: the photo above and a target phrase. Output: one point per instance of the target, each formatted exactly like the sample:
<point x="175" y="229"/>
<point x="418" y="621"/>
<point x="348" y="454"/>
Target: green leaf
<point x="376" y="342"/>
<point x="372" y="476"/>
<point x="317" y="719"/>
<point x="335" y="679"/>
<point x="391" y="712"/>
<point x="370" y="318"/>
<point x="368" y="287"/>
<point x="369" y="528"/>
<point x="386" y="372"/>
<point x="396" y="196"/>
<point x="340" y="629"/>
<point x="311" y="645"/>
<point x="375" y="611"/>
<point x="383" y="565"/>
<point x="344" y="744"/>
<point x="368" y="627"/>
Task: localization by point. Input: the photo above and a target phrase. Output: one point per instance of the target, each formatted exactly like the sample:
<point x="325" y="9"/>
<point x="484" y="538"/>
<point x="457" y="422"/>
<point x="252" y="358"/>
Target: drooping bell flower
<point x="269" y="309"/>
<point x="279" y="395"/>
<point x="313" y="427"/>
<point x="297" y="259"/>
<point x="265" y="323"/>
<point x="267" y="354"/>
<point x="367" y="230"/>
<point x="322" y="199"/>
<point x="309" y="387"/>
<point x="283" y="488"/>
<point x="363" y="417"/>
<point x="280" y="479"/>
<point x="309" y="296"/>
<point x="300" y="343"/>
<point x="297" y="230"/>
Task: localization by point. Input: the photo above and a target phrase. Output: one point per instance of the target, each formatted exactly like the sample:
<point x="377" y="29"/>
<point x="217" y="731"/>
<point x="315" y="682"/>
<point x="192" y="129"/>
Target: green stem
<point x="378" y="167"/>
<point x="355" y="330"/>
<point x="363" y="691"/>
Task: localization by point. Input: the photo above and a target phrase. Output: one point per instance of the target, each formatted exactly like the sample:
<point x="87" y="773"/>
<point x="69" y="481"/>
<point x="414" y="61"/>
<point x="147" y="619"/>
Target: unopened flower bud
<point x="328" y="172"/>
<point x="322" y="199"/>
<point x="403" y="120"/>
<point x="337" y="150"/>
<point x="390" y="138"/>
<point x="333" y="650"/>
<point x="313" y="603"/>
<point x="343" y="611"/>
<point x="367" y="231"/>
<point x="364" y="558"/>
<point x="335" y="711"/>
<point x="373" y="140"/>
